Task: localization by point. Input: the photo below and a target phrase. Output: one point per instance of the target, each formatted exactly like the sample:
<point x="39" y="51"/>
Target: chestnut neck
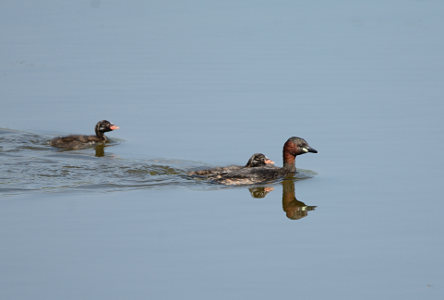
<point x="289" y="162"/>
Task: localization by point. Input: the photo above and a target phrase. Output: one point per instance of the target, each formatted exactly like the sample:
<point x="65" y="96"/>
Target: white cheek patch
<point x="305" y="150"/>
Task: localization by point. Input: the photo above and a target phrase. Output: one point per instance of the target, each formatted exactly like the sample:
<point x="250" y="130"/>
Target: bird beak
<point x="309" y="149"/>
<point x="269" y="161"/>
<point x="114" y="127"/>
<point x="313" y="150"/>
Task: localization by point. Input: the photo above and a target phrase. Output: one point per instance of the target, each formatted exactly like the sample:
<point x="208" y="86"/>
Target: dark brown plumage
<point x="256" y="160"/>
<point x="75" y="142"/>
<point x="293" y="147"/>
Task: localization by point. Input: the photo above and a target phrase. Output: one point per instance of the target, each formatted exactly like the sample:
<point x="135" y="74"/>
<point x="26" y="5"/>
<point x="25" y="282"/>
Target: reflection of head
<point x="293" y="208"/>
<point x="260" y="192"/>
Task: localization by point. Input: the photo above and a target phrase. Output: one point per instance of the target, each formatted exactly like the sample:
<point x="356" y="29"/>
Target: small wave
<point x="29" y="164"/>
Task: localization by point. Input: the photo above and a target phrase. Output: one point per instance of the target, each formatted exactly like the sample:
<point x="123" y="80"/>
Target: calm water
<point x="206" y="83"/>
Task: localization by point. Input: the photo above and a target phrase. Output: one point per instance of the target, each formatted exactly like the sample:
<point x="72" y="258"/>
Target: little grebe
<point x="75" y="142"/>
<point x="256" y="160"/>
<point x="293" y="147"/>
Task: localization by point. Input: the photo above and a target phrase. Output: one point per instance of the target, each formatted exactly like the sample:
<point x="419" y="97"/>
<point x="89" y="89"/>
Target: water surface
<point x="200" y="84"/>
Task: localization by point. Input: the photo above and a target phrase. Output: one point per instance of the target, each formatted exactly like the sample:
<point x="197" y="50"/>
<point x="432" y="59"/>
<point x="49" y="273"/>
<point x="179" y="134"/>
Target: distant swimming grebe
<point x="75" y="142"/>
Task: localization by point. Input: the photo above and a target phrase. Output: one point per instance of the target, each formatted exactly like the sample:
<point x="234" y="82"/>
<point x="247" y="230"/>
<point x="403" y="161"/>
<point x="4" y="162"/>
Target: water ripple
<point x="29" y="164"/>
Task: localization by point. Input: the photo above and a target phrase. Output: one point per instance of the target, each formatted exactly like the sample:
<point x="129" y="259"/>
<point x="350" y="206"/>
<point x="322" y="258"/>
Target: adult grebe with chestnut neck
<point x="293" y="147"/>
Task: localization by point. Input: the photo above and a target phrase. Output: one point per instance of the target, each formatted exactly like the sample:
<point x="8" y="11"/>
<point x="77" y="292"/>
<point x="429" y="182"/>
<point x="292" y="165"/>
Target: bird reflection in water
<point x="100" y="150"/>
<point x="260" y="192"/>
<point x="294" y="209"/>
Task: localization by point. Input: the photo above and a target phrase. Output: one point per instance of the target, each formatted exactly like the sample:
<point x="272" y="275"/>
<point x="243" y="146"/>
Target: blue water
<point x="205" y="83"/>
